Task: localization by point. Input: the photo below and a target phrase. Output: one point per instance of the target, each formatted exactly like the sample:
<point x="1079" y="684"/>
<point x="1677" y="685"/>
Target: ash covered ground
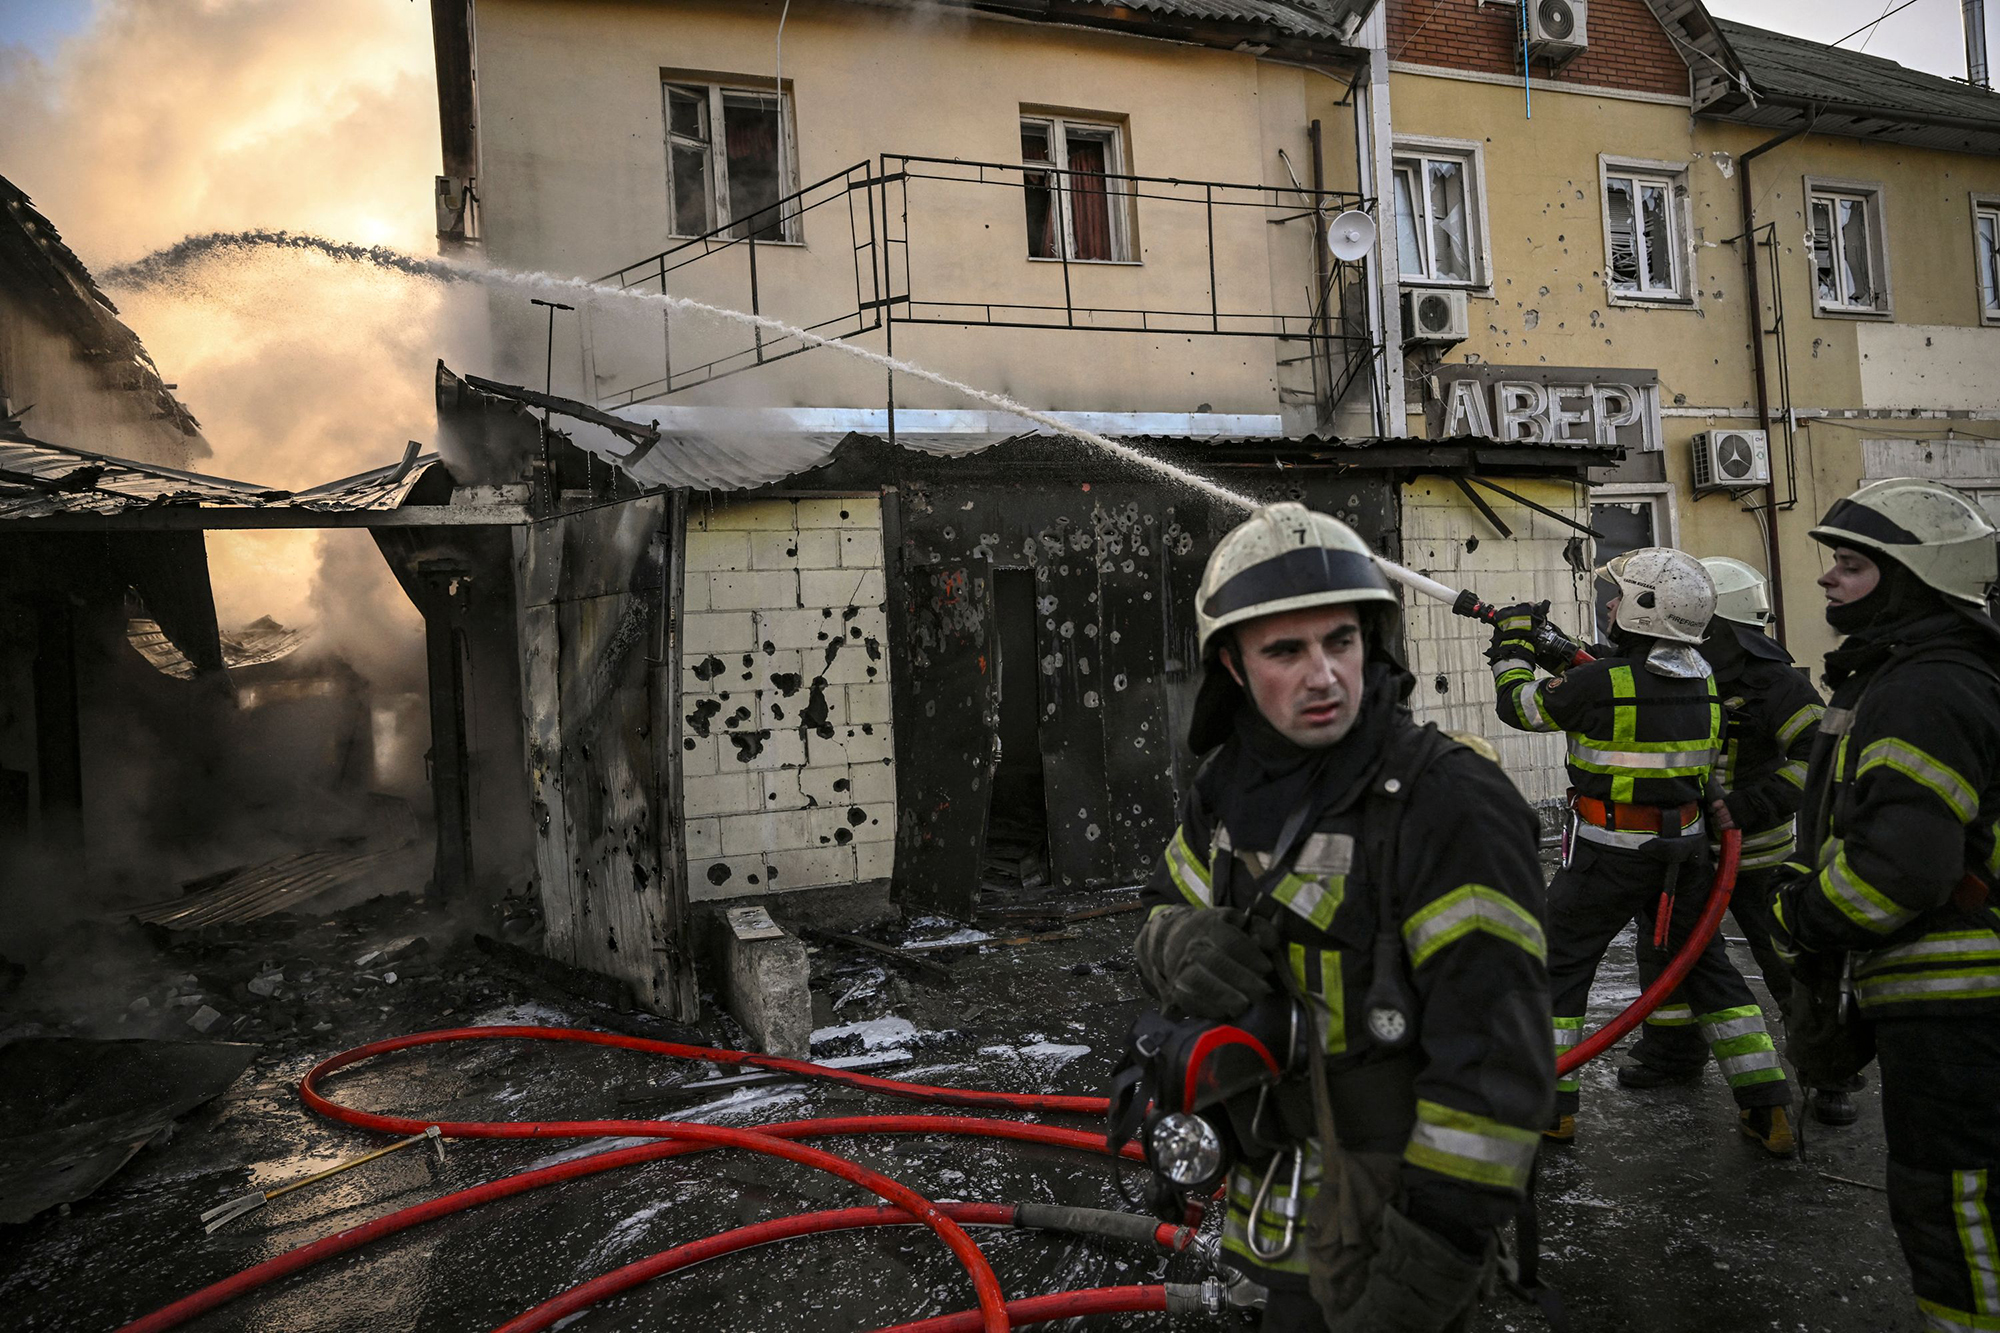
<point x="1660" y="1217"/>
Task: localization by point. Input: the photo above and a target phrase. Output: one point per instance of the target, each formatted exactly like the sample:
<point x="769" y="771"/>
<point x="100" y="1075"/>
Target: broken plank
<point x="890" y="951"/>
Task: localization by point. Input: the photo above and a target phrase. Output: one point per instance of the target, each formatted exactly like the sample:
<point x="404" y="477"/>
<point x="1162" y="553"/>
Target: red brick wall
<point x="1628" y="49"/>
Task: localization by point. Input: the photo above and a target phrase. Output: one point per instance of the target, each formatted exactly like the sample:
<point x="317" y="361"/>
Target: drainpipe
<point x="1756" y="303"/>
<point x="1376" y="150"/>
<point x="1975" y="43"/>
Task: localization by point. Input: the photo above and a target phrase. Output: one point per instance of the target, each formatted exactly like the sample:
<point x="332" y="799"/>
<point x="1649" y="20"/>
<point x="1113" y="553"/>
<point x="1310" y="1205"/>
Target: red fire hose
<point x="1654" y="995"/>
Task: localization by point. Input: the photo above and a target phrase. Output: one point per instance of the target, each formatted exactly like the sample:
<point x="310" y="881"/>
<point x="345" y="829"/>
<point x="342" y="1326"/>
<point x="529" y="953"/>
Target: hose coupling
<point x="1207" y="1298"/>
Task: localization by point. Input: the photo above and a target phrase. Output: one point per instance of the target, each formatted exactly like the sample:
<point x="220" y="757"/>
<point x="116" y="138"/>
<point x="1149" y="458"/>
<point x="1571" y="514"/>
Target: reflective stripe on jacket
<point x="1634" y="737"/>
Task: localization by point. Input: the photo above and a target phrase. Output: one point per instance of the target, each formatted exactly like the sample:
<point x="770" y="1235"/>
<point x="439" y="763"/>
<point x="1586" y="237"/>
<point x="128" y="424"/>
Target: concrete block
<point x="744" y="835"/>
<point x="872" y="783"/>
<point x="780" y="749"/>
<point x="868" y="703"/>
<point x="725" y="793"/>
<point x="875" y="860"/>
<point x="854" y="665"/>
<point x="761" y="976"/>
<point x="779" y="788"/>
<point x="861" y="549"/>
<point x="694" y="593"/>
<point x="859" y="511"/>
<point x="717" y="550"/>
<point x="818" y="548"/>
<point x="776" y="588"/>
<point x="704" y="839"/>
<point x="827" y="823"/>
<point x="850" y="745"/>
<point x="806" y="629"/>
<point x="773" y="550"/>
<point x="719" y="632"/>
<point x="810" y="867"/>
<point x="752" y="516"/>
<point x="841" y="588"/>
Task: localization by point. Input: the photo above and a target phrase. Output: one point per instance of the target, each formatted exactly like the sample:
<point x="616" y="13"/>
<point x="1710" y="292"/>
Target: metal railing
<point x="885" y="211"/>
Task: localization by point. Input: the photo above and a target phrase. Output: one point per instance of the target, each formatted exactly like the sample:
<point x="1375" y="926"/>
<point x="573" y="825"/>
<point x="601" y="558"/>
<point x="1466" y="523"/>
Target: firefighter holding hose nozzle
<point x="1897" y="918"/>
<point x="1378" y="881"/>
<point x="1643" y="727"/>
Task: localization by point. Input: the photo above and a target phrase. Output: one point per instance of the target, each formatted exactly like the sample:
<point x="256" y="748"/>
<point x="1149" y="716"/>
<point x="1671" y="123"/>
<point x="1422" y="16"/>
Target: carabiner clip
<point x="1291" y="1228"/>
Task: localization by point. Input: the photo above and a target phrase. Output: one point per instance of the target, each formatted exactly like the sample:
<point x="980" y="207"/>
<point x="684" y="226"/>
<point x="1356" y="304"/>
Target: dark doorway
<point x="1017" y="832"/>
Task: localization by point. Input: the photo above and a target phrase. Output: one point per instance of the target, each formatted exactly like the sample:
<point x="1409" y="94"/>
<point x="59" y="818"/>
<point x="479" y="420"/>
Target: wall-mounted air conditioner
<point x="1557" y="28"/>
<point x="1731" y="460"/>
<point x="1434" y="315"/>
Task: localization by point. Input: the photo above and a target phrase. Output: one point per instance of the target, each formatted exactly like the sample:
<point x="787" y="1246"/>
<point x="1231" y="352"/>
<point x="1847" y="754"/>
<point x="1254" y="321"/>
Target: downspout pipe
<point x="1975" y="43"/>
<point x="1748" y="208"/>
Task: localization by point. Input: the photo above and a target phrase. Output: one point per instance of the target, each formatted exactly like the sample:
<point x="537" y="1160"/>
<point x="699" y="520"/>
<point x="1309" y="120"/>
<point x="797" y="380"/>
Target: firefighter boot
<point x="1771" y="1126"/>
<point x="1561" y="1130"/>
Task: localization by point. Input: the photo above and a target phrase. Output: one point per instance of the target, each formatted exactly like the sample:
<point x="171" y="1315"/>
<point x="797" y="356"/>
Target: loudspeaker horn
<point x="1351" y="235"/>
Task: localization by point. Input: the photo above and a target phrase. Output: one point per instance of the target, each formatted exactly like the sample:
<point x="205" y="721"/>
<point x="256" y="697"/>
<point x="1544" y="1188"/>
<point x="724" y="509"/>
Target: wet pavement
<point x="1660" y="1217"/>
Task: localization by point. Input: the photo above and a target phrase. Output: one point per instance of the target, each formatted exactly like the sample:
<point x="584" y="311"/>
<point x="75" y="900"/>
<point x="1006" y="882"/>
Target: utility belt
<point x="1618" y="817"/>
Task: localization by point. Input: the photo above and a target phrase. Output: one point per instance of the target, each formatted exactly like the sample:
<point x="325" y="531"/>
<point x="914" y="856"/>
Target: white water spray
<point x="162" y="267"/>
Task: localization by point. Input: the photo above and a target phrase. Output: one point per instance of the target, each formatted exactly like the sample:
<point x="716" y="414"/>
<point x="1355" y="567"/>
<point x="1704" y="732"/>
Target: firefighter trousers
<point x="1940" y="1087"/>
<point x="1672" y="1041"/>
<point x="1591" y="899"/>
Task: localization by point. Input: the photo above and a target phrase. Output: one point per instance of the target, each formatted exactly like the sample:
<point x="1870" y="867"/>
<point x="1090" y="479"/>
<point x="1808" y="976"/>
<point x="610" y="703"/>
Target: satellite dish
<point x="1351" y="235"/>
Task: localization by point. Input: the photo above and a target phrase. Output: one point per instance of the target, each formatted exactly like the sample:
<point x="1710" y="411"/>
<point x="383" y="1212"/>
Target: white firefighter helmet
<point x="1741" y="593"/>
<point x="1285" y="557"/>
<point x="1662" y="592"/>
<point x="1932" y="530"/>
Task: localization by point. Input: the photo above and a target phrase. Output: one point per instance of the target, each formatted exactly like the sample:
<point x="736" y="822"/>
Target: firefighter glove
<point x="1209" y="962"/>
<point x="1514" y="632"/>
<point x="1418" y="1282"/>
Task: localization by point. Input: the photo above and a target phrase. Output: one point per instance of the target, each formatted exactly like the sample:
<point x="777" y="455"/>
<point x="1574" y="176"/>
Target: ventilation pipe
<point x="1975" y="43"/>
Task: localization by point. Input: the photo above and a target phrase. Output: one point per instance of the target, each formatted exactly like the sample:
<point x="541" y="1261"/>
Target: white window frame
<point x="1665" y="502"/>
<point x="1673" y="176"/>
<point x="1118" y="200"/>
<point x="1985" y="206"/>
<point x="715" y="148"/>
<point x="1870" y="194"/>
<point x="1471" y="155"/>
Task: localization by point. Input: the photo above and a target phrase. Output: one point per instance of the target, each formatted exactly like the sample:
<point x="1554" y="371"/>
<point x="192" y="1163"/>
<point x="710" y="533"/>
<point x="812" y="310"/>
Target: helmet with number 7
<point x="1663" y="593"/>
<point x="1932" y="530"/>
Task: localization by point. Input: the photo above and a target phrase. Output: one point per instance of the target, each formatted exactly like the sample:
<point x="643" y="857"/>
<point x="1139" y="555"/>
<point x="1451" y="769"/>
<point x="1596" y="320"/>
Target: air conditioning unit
<point x="1731" y="460"/>
<point x="1557" y="28"/>
<point x="1434" y="315"/>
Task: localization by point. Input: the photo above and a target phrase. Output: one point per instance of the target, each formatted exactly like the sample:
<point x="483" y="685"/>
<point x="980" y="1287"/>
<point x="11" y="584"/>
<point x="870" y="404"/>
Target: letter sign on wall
<point x="1545" y="405"/>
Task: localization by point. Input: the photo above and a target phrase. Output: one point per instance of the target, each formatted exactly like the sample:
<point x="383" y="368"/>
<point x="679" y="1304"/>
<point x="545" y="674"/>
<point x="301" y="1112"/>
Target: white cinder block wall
<point x="788" y="766"/>
<point x="1446" y="538"/>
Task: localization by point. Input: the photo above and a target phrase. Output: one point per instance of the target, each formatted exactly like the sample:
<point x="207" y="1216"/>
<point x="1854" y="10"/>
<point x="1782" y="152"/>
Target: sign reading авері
<point x="1545" y="405"/>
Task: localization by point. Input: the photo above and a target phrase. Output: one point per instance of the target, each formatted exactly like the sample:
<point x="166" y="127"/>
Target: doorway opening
<point x="1016" y="863"/>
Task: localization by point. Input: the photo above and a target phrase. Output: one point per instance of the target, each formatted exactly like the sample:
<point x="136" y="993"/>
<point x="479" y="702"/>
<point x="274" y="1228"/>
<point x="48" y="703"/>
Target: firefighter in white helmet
<point x="1644" y="726"/>
<point x="1894" y="927"/>
<point x="1385" y="875"/>
<point x="1771" y="717"/>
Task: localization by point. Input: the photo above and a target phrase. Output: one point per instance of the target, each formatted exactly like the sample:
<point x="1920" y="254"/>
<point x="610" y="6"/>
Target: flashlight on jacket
<point x="1186" y="1149"/>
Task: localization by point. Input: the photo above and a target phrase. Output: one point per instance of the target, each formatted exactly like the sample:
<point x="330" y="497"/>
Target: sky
<point x="1928" y="35"/>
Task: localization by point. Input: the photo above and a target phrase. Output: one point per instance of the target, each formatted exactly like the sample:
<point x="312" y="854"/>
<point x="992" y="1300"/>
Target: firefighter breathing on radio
<point x="1384" y="877"/>
<point x="1896" y="916"/>
<point x="1771" y="717"/>
<point x="1643" y="726"/>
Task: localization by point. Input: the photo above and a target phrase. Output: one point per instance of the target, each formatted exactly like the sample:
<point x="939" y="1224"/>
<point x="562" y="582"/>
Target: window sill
<point x="1449" y="285"/>
<point x="1990" y="318"/>
<point x="1853" y="312"/>
<point x="1638" y="301"/>
<point x="722" y="241"/>
<point x="1098" y="263"/>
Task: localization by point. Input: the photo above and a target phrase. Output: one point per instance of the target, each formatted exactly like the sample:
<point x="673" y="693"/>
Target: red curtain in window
<point x="1089" y="205"/>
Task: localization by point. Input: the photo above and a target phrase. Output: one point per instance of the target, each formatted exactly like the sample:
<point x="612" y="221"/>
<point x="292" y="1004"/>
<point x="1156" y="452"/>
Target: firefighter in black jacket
<point x="1644" y="728"/>
<point x="1771" y="717"/>
<point x="1901" y="810"/>
<point x="1389" y="870"/>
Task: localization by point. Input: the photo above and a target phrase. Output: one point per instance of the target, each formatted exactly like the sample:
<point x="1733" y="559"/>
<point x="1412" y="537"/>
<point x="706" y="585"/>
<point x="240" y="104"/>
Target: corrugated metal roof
<point x="39" y="480"/>
<point x="1854" y="87"/>
<point x="260" y="642"/>
<point x="1304" y="18"/>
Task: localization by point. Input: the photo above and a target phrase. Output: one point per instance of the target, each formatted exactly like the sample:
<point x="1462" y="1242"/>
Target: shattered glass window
<point x="1624" y="225"/>
<point x="1644" y="235"/>
<point x="1409" y="229"/>
<point x="1073" y="187"/>
<point x="1856" y="276"/>
<point x="1656" y="200"/>
<point x="1987" y="241"/>
<point x="687" y="160"/>
<point x="1822" y="252"/>
<point x="750" y="144"/>
<point x="1043" y="227"/>
<point x="1846" y="249"/>
<point x="724" y="167"/>
<point x="1450" y="236"/>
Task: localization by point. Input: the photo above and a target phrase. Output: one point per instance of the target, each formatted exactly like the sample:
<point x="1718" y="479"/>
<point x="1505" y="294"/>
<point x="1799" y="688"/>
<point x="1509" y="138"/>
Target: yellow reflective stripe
<point x="1858" y="900"/>
<point x="1533" y="713"/>
<point x="1568" y="1032"/>
<point x="1271" y="1223"/>
<point x="1471" y="1147"/>
<point x="1943" y="1319"/>
<point x="1944" y="946"/>
<point x="1316" y="900"/>
<point x="1926" y="771"/>
<point x="1797" y="723"/>
<point x="1960" y="983"/>
<point x="1794" y="772"/>
<point x="1742" y="1045"/>
<point x="1328" y="988"/>
<point x="1452" y="916"/>
<point x="1188" y="874"/>
<point x="1975" y="1238"/>
<point x="1624" y="716"/>
<point x="1672" y="1016"/>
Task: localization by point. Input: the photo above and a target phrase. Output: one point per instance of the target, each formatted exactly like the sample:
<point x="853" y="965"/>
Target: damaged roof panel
<point x="39" y="480"/>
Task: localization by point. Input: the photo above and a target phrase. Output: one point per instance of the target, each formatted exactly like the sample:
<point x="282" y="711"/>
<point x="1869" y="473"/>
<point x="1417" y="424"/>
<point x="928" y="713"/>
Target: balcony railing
<point x="883" y="214"/>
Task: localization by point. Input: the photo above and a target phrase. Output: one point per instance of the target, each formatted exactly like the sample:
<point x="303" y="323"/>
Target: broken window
<point x="1849" y="273"/>
<point x="1986" y="245"/>
<point x="1435" y="236"/>
<point x="1643" y="234"/>
<point x="729" y="162"/>
<point x="1077" y="196"/>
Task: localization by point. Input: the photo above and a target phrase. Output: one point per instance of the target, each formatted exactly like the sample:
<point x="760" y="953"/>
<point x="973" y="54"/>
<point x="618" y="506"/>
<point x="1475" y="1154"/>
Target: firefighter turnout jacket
<point x="1436" y="833"/>
<point x="1905" y="798"/>
<point x="1771" y="719"/>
